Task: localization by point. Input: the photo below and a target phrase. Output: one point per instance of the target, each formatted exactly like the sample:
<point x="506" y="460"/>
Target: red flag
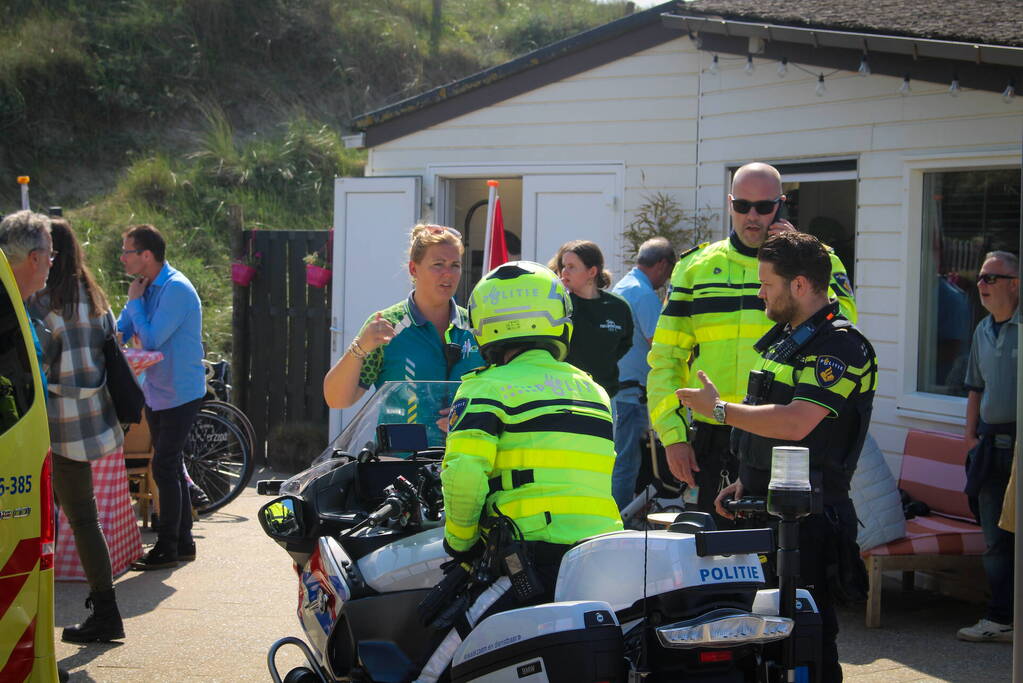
<point x="498" y="247"/>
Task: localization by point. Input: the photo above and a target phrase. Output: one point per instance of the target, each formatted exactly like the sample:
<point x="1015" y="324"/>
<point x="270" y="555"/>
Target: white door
<point x="372" y="220"/>
<point x="560" y="208"/>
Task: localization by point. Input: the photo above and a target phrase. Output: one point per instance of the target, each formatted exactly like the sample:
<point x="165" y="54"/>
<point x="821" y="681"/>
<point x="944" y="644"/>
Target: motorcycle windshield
<point x="392" y="403"/>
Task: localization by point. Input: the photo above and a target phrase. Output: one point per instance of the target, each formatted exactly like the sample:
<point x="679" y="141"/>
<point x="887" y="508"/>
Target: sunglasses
<point x="441" y="229"/>
<point x="763" y="207"/>
<point x="992" y="278"/>
<point x="132" y="251"/>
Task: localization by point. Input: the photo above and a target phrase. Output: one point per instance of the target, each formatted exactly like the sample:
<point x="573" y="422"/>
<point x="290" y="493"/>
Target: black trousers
<point x="546" y="561"/>
<point x="715" y="458"/>
<point x="818" y="569"/>
<point x="170" y="429"/>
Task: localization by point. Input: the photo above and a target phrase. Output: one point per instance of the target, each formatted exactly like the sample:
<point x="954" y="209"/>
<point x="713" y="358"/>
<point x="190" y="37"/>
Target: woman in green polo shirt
<point x="423" y="337"/>
<point x="602" y="320"/>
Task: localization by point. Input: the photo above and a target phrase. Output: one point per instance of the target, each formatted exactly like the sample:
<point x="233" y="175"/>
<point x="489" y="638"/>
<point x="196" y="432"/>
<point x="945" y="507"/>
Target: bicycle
<point x="218" y="452"/>
<point x="217" y="458"/>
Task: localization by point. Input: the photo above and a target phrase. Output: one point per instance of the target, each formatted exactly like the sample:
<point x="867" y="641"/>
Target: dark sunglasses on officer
<point x="763" y="207"/>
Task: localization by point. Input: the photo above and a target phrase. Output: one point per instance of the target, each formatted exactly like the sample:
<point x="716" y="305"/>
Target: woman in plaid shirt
<point x="83" y="424"/>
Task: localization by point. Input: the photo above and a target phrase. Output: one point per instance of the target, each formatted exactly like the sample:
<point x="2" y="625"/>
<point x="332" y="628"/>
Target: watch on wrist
<point x="719" y="411"/>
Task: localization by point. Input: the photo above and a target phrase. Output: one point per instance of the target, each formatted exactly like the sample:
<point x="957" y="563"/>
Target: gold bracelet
<point x="356" y="350"/>
<point x="361" y="350"/>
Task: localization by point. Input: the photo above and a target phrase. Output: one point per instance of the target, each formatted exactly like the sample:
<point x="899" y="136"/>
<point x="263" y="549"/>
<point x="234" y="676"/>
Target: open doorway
<point x="468" y="199"/>
<point x="827" y="210"/>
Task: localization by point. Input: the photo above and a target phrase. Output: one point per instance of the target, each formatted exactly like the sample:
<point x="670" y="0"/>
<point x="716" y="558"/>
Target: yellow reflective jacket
<point x="713" y="318"/>
<point x="531" y="439"/>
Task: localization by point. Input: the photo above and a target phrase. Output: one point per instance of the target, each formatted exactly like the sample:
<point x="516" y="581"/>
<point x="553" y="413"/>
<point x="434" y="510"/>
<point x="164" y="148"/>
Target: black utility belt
<point x="633" y="384"/>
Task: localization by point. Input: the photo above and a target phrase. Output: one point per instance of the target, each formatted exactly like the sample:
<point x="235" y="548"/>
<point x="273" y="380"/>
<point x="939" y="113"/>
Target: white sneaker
<point x="985" y="631"/>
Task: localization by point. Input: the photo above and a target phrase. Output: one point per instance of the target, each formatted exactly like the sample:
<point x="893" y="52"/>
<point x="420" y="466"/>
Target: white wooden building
<point x="911" y="188"/>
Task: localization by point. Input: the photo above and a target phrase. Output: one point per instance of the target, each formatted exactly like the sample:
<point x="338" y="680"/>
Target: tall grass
<point x="171" y="112"/>
<point x="282" y="180"/>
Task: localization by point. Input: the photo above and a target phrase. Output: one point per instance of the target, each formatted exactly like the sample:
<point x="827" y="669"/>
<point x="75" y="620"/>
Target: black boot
<point x="103" y="625"/>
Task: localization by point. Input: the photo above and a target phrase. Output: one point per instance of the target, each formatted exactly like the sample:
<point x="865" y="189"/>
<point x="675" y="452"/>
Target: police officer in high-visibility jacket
<point x="529" y="442"/>
<point x="813" y="387"/>
<point x="711" y="321"/>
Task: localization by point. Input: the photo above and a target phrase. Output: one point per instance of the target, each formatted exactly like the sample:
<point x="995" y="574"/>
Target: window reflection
<point x="965" y="215"/>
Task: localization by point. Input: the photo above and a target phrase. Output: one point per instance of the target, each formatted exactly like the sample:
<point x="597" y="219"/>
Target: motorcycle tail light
<point x="715" y="656"/>
<point x="724" y="628"/>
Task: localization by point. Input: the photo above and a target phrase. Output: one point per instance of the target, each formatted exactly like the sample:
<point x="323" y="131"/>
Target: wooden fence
<point x="281" y="335"/>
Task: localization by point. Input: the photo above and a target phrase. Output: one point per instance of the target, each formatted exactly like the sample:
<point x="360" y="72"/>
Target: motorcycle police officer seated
<point x="529" y="450"/>
<point x="814" y="387"/>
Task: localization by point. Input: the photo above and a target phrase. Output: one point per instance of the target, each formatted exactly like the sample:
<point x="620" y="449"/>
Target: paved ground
<point x="213" y="619"/>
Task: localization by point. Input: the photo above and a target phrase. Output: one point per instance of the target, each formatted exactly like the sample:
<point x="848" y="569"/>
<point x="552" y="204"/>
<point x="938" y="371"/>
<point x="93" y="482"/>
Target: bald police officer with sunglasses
<point x="711" y="321"/>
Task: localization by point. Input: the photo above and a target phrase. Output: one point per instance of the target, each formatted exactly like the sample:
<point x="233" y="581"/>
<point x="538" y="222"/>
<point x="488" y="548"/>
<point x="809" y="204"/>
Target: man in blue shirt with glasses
<point x="164" y="313"/>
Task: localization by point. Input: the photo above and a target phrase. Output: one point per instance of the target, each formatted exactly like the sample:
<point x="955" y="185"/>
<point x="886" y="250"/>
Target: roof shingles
<point x="995" y="22"/>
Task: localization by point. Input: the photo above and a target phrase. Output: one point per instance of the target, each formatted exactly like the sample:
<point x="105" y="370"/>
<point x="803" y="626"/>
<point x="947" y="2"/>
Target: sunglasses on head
<point x="763" y="207"/>
<point x="992" y="278"/>
<point x="441" y="229"/>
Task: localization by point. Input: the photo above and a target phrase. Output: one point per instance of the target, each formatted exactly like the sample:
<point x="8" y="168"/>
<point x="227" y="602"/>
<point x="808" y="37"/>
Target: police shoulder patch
<point x="842" y="284"/>
<point x="457" y="411"/>
<point x="828" y="371"/>
<point x="687" y="252"/>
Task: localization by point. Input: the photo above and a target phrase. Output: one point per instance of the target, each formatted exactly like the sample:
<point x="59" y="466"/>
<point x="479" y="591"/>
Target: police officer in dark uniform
<point x="814" y="387"/>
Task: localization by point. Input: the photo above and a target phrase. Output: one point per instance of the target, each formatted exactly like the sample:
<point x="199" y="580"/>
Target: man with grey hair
<point x="654" y="262"/>
<point x="991" y="434"/>
<point x="25" y="240"/>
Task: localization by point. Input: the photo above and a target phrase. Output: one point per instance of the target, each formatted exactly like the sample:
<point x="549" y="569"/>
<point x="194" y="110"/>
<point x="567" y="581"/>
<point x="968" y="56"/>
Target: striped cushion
<point x="933" y="472"/>
<point x="935" y="535"/>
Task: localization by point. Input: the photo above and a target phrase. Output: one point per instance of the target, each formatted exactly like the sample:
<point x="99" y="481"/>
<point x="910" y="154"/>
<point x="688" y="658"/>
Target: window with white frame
<point x="965" y="213"/>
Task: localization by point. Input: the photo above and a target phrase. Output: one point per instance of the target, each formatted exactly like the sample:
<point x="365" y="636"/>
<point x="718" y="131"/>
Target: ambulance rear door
<point x="26" y="500"/>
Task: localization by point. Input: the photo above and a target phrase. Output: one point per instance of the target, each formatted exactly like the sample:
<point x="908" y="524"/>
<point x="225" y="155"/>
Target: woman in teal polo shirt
<point x="423" y="337"/>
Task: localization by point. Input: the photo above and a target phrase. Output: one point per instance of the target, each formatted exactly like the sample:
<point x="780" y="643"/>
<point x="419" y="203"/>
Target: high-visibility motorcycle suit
<point x="530" y="440"/>
<point x="711" y="322"/>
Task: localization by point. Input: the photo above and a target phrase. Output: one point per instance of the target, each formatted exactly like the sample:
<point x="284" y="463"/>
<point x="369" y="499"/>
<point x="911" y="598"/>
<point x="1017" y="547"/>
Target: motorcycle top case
<point x="556" y="642"/>
<point x="611" y="566"/>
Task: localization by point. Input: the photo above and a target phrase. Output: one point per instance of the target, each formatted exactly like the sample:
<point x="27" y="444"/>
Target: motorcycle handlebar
<point x="390" y="509"/>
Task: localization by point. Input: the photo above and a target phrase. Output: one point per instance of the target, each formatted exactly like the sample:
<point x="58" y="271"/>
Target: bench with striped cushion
<point x="933" y="471"/>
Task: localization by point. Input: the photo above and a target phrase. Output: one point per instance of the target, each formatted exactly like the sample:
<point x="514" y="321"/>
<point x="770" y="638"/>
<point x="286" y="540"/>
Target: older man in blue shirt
<point x="654" y="262"/>
<point x="164" y="313"/>
<point x="991" y="434"/>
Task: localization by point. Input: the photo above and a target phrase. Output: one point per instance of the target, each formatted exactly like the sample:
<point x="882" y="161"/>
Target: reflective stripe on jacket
<point x="714" y="315"/>
<point x="530" y="439"/>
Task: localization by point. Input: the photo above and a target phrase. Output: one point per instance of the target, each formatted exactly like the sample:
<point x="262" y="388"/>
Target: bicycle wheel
<point x="235" y="415"/>
<point x="218" y="459"/>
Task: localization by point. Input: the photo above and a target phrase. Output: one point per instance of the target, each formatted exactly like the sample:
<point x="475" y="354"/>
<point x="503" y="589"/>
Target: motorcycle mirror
<point x="282" y="520"/>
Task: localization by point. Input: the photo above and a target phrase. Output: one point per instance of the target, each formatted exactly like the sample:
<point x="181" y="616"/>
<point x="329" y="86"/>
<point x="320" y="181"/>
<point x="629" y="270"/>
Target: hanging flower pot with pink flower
<point x="245" y="268"/>
<point x="242" y="273"/>
<point x="317" y="276"/>
<point x="317" y="265"/>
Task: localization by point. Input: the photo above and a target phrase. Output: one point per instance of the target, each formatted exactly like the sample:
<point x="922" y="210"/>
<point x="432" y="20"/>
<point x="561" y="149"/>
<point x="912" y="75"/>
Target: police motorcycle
<point x="364" y="528"/>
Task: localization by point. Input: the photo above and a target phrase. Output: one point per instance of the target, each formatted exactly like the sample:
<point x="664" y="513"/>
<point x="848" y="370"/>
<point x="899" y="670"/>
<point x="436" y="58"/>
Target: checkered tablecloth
<point x="116" y="517"/>
<point x="139" y="360"/>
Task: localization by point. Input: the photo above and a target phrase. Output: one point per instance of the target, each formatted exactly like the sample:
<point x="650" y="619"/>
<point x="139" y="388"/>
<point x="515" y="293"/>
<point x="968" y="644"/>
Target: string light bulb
<point x="864" y="69"/>
<point x="1010" y="91"/>
<point x="905" y="89"/>
<point x="713" y="70"/>
<point x="749" y="68"/>
<point x="783" y="67"/>
<point x="954" y="90"/>
<point x="821" y="88"/>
